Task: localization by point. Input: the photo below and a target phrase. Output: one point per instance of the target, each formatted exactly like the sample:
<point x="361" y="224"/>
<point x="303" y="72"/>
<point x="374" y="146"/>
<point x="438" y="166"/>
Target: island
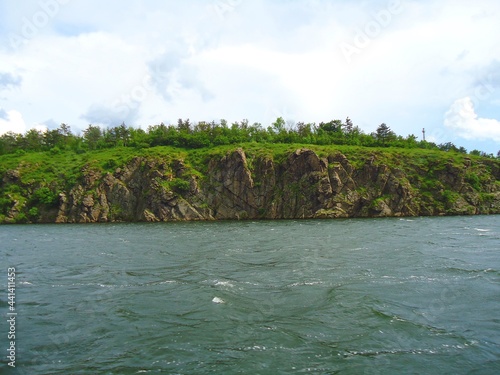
<point x="325" y="171"/>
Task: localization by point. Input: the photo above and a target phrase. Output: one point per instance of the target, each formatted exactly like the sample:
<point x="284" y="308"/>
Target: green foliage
<point x="430" y="184"/>
<point x="384" y="134"/>
<point x="45" y="196"/>
<point x="377" y="201"/>
<point x="449" y="196"/>
<point x="55" y="150"/>
<point x="115" y="211"/>
<point x="486" y="197"/>
<point x="5" y="204"/>
<point x="210" y="134"/>
<point x="41" y="175"/>
<point x="474" y="180"/>
<point x="21" y="218"/>
<point x="110" y="164"/>
<point x="179" y="185"/>
<point x="33" y="213"/>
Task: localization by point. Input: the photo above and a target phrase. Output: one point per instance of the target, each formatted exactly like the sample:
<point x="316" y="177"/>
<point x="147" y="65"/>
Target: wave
<point x="474" y="272"/>
<point x="218" y="300"/>
<point x="444" y="348"/>
<point x="304" y="283"/>
<point x="374" y="353"/>
<point x="224" y="283"/>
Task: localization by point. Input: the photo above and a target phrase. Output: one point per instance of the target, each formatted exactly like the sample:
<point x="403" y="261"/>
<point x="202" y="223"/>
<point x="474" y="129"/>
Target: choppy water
<point x="384" y="296"/>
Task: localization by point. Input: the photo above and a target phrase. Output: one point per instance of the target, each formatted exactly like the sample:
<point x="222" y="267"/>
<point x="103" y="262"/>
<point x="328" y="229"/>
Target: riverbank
<point x="248" y="181"/>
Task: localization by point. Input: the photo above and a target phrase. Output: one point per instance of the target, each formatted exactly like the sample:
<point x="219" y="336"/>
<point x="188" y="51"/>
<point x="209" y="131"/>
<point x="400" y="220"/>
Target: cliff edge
<point x="238" y="185"/>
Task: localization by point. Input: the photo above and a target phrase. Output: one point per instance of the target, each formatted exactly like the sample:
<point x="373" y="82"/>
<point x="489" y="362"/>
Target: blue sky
<point x="410" y="64"/>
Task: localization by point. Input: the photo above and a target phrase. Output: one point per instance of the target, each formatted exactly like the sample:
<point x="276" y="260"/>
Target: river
<point x="354" y="296"/>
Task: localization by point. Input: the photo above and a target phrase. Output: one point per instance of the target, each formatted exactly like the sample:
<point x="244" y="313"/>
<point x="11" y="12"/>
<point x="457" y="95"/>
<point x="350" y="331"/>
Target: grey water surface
<point x="356" y="296"/>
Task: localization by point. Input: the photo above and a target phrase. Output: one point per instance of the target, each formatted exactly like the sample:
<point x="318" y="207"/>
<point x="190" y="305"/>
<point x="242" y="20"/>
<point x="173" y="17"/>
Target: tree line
<point x="207" y="134"/>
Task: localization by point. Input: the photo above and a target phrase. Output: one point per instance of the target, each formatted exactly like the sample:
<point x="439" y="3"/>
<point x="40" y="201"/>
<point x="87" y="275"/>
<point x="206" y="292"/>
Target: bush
<point x="474" y="180"/>
<point x="21" y="218"/>
<point x="45" y="196"/>
<point x="33" y="213"/>
<point x="55" y="150"/>
<point x="110" y="164"/>
<point x="5" y="205"/>
<point x="179" y="185"/>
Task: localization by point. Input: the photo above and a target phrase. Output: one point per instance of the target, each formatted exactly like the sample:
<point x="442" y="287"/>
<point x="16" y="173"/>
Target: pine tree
<point x="384" y="133"/>
<point x="349" y="126"/>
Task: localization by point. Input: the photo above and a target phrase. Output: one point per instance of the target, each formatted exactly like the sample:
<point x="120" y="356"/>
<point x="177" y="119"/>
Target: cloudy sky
<point x="408" y="63"/>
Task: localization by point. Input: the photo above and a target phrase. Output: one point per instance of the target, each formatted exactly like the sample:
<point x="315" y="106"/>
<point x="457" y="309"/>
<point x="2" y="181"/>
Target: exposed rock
<point x="11" y="176"/>
<point x="303" y="185"/>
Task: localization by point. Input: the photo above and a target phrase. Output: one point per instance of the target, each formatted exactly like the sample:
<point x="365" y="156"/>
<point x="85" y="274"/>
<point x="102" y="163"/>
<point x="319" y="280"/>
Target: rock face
<point x="135" y="192"/>
<point x="302" y="185"/>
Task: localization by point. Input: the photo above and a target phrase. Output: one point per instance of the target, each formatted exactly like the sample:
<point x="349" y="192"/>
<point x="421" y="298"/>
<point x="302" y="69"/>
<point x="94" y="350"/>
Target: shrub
<point x="179" y="185"/>
<point x="474" y="180"/>
<point x="110" y="164"/>
<point x="21" y="218"/>
<point x="55" y="150"/>
<point x="33" y="213"/>
<point x="5" y="205"/>
<point x="44" y="195"/>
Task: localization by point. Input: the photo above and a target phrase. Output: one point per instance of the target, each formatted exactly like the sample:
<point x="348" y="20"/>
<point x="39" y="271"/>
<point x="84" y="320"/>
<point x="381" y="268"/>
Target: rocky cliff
<point x="300" y="184"/>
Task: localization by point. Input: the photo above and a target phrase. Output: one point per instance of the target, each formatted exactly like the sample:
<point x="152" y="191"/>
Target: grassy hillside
<point x="33" y="181"/>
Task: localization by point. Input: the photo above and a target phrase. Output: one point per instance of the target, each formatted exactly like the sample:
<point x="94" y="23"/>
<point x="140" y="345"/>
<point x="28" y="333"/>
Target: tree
<point x="91" y="136"/>
<point x="123" y="133"/>
<point x="331" y="126"/>
<point x="304" y="130"/>
<point x="384" y="133"/>
<point x="65" y="130"/>
<point x="8" y="142"/>
<point x="448" y="146"/>
<point x="349" y="126"/>
<point x="33" y="140"/>
<point x="184" y="126"/>
<point x="279" y="125"/>
<point x="138" y="138"/>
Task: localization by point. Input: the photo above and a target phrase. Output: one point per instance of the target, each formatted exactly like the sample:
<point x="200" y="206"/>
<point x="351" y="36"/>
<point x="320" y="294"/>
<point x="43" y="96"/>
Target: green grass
<point x="43" y="175"/>
<point x="47" y="166"/>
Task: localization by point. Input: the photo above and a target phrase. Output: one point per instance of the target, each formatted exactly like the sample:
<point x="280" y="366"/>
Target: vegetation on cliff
<point x="210" y="134"/>
<point x="246" y="180"/>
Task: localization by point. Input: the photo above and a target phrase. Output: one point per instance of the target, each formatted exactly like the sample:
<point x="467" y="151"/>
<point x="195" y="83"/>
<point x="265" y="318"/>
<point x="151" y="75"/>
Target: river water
<point x="356" y="296"/>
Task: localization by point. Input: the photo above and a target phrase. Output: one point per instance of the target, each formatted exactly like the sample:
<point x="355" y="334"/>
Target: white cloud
<point x="148" y="62"/>
<point x="7" y="80"/>
<point x="463" y="119"/>
<point x="12" y="121"/>
<point x="112" y="115"/>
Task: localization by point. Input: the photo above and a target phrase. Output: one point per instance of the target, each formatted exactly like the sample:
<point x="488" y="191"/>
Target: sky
<point x="432" y="64"/>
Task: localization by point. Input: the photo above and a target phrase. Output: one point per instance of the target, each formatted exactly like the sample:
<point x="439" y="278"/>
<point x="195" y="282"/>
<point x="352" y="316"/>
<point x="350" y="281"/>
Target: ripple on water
<point x="344" y="296"/>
